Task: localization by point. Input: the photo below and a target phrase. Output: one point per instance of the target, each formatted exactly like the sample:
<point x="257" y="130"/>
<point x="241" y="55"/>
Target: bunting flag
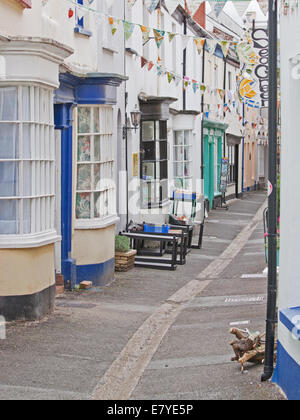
<point x="113" y="24"/>
<point x="143" y="62"/>
<point x="145" y="33"/>
<point x="241" y="6"/>
<point x="128" y="29"/>
<point x="131" y="3"/>
<point x="211" y="45"/>
<point x="203" y="88"/>
<point x="171" y="5"/>
<point x="264" y="5"/>
<point x="159" y="37"/>
<point x="217" y="6"/>
<point x="193" y="6"/>
<point x="195" y="85"/>
<point x="225" y="47"/>
<point x="151" y="5"/>
<point x="221" y="93"/>
<point x="170" y="76"/>
<point x="159" y="70"/>
<point x="150" y="65"/>
<point x="171" y="36"/>
<point x="199" y="44"/>
<point x="185" y="41"/>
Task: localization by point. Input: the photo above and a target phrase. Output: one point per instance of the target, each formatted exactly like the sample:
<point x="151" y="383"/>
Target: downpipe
<point x="272" y="197"/>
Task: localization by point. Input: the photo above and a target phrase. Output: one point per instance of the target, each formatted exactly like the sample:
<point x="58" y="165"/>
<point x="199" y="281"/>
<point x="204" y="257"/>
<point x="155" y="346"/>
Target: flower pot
<point x="124" y="261"/>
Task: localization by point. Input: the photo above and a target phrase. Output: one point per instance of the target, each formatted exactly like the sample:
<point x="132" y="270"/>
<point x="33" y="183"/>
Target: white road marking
<point x="254" y="276"/>
<point x="239" y="323"/>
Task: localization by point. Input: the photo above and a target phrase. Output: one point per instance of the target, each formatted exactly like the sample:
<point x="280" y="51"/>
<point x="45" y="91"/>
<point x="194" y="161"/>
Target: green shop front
<point x="213" y="136"/>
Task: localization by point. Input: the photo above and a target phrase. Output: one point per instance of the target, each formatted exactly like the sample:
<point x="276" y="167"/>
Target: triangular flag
<point x="145" y="33"/>
<point x="264" y="5"/>
<point x="159" y="37"/>
<point x="131" y="3"/>
<point x="221" y="93"/>
<point x="151" y="5"/>
<point x="211" y="45"/>
<point x="199" y="44"/>
<point x="170" y="76"/>
<point x="241" y="6"/>
<point x="114" y="24"/>
<point x="193" y="6"/>
<point x="203" y="88"/>
<point x="225" y="47"/>
<point x="185" y="40"/>
<point x="128" y="29"/>
<point x="217" y="6"/>
<point x="171" y="36"/>
<point x="195" y="85"/>
<point x="159" y="70"/>
<point x="171" y="5"/>
<point x="150" y="65"/>
<point x="143" y="61"/>
<point x="177" y="79"/>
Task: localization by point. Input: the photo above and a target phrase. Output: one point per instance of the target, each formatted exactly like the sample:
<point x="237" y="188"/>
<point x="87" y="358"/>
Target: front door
<point x="209" y="168"/>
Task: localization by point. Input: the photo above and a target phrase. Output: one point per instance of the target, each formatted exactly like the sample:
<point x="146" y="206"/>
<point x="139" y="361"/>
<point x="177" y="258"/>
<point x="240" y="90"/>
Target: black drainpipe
<point x="224" y="101"/>
<point x="272" y="213"/>
<point x="184" y="66"/>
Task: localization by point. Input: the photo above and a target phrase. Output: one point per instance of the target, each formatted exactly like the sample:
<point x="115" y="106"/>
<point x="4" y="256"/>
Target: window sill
<point x="110" y="50"/>
<point x="96" y="224"/>
<point x="82" y="31"/>
<point x="29" y="241"/>
<point x="290" y="318"/>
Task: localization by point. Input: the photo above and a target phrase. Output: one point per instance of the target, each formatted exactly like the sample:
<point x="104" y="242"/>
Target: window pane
<point x="97" y="150"/>
<point x="84" y="148"/>
<point x="8" y="217"/>
<point x="148" y="171"/>
<point x="178" y="155"/>
<point x="84" y="177"/>
<point x="163" y="147"/>
<point x="26" y="141"/>
<point x="163" y="130"/>
<point x="163" y="170"/>
<point x="9" y="179"/>
<point x="84" y="120"/>
<point x="96" y="120"/>
<point x="187" y="153"/>
<point x="9" y="104"/>
<point x="179" y="138"/>
<point x="26" y="103"/>
<point x="27" y="178"/>
<point x="149" y="150"/>
<point x="186" y="137"/>
<point x="178" y="169"/>
<point x="9" y="141"/>
<point x="97" y="205"/>
<point x="83" y="205"/>
<point x="187" y="169"/>
<point x="148" y="130"/>
<point x="26" y="216"/>
<point x="97" y="177"/>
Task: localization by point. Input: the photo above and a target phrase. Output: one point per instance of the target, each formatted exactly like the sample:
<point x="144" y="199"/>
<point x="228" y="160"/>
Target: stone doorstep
<point x="60" y="290"/>
<point x="59" y="280"/>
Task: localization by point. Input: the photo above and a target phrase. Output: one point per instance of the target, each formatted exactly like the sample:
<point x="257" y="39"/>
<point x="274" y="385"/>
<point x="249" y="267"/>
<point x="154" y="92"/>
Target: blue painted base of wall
<point x="287" y="374"/>
<point x="99" y="274"/>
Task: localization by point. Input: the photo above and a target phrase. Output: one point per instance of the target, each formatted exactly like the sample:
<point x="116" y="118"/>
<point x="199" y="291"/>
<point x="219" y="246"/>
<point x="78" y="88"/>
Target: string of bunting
<point x="158" y="35"/>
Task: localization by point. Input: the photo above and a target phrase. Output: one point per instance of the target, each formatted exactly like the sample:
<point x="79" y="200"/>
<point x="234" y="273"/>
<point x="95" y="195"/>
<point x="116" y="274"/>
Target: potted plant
<point x="124" y="256"/>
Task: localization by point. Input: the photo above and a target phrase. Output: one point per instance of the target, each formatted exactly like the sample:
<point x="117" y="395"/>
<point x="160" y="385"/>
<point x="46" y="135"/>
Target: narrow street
<point x="153" y="334"/>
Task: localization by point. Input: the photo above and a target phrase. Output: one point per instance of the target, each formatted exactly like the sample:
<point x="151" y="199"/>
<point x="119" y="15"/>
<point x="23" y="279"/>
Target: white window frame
<point x="189" y="145"/>
<point x="41" y="161"/>
<point x="106" y="135"/>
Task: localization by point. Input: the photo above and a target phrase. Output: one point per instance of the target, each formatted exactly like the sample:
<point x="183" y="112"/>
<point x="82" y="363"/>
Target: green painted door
<point x="209" y="169"/>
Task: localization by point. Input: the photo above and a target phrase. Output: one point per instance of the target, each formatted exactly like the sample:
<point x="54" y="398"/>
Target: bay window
<point x="95" y="186"/>
<point x="27" y="167"/>
<point x="183" y="160"/>
<point x="154" y="163"/>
